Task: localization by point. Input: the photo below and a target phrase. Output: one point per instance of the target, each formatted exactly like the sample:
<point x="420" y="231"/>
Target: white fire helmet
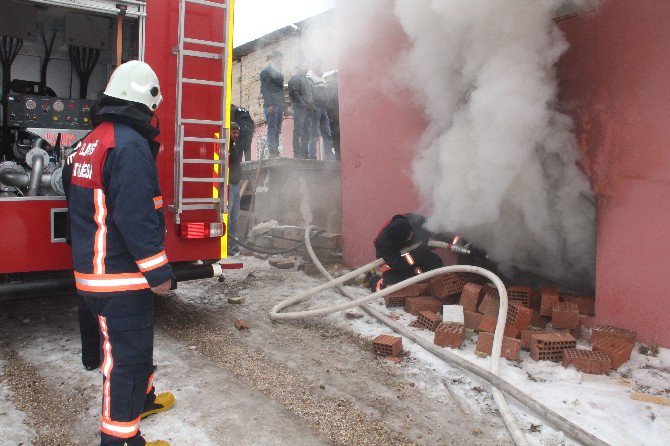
<point x="135" y="81"/>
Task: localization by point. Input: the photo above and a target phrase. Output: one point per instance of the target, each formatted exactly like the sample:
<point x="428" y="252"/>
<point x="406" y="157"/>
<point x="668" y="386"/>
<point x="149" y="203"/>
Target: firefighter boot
<point x="163" y="402"/>
<point x="157" y="443"/>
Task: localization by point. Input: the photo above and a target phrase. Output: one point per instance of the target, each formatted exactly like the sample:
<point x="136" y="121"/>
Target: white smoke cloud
<point x="498" y="161"/>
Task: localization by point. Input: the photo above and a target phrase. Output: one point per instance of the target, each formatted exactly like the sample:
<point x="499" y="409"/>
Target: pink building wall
<point x="379" y="133"/>
<point x="616" y="80"/>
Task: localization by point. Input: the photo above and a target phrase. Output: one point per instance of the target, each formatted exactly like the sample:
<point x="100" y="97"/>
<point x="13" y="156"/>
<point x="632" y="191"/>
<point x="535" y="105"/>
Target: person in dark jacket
<point x="118" y="233"/>
<point x="399" y="233"/>
<point x="320" y="124"/>
<point x="272" y="90"/>
<point x="300" y="92"/>
<point x="247" y="126"/>
<point x="234" y="177"/>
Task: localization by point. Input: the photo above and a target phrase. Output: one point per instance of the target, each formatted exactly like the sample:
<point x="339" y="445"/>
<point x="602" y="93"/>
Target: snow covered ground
<point x="599" y="404"/>
<point x="299" y="383"/>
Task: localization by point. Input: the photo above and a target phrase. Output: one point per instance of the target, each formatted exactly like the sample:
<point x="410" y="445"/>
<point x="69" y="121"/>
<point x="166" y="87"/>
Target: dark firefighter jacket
<point x="393" y="238"/>
<point x="115" y="204"/>
<point x="300" y="91"/>
<point x="272" y="87"/>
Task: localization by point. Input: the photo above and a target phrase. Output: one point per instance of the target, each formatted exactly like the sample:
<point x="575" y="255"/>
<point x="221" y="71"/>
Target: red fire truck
<point x="57" y="56"/>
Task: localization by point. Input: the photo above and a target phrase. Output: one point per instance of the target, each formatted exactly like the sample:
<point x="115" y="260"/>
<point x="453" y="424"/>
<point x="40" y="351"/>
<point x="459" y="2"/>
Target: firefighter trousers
<point x="127" y="336"/>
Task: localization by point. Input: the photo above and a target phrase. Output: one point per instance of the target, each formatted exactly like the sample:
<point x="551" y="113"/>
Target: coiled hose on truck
<point x="499" y="385"/>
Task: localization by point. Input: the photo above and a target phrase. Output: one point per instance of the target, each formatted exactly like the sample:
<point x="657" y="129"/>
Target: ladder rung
<point x="204" y="42"/>
<point x="202" y="54"/>
<point x="195" y="207"/>
<point x="201" y="161"/>
<point x="208" y="3"/>
<point x="201" y="200"/>
<point x="201" y="121"/>
<point x="202" y="82"/>
<point x="204" y="180"/>
<point x="197" y="139"/>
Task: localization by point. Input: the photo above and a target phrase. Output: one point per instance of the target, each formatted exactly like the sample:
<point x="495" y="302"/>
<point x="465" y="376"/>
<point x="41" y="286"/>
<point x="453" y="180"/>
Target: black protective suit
<point x="403" y="231"/>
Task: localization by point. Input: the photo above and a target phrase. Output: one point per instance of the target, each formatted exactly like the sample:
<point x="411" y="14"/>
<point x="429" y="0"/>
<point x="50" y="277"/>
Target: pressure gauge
<point x="30" y="104"/>
<point x="59" y="106"/>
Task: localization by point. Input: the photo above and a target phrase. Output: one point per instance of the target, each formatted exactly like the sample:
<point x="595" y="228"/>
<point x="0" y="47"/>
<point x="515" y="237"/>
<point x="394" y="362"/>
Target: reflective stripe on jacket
<point x="116" y="213"/>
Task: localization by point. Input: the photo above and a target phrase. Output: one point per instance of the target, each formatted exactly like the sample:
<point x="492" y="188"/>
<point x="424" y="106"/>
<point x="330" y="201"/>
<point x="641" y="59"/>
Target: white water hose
<point x="498" y="384"/>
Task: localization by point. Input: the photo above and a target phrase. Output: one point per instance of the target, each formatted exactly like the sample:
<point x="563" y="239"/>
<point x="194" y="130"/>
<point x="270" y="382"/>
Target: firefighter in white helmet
<point x="118" y="231"/>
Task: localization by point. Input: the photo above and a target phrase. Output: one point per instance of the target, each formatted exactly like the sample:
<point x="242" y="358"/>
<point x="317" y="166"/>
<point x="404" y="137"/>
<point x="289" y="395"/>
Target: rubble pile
<point x="546" y="322"/>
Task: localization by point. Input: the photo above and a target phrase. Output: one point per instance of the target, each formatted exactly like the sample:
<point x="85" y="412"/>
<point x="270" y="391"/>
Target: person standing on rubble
<point x="118" y="233"/>
<point x="300" y="92"/>
<point x="320" y="124"/>
<point x="272" y="90"/>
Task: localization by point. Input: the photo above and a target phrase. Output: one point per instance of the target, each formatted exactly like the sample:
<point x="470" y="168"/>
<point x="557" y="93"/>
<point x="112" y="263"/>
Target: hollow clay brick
<point x="565" y="315"/>
<point x="414" y="305"/>
<point x="471" y="296"/>
<point x="429" y="320"/>
<point x="488" y="323"/>
<point x="519" y="316"/>
<point x="387" y="345"/>
<point x="490" y="303"/>
<point x="617" y="349"/>
<point x="550" y="346"/>
<point x="603" y="330"/>
<point x="449" y="334"/>
<point x="511" y="331"/>
<point x="549" y="297"/>
<point x="526" y="335"/>
<point x="586" y="304"/>
<point x="587" y="361"/>
<point x="418" y="289"/>
<point x="394" y="301"/>
<point x="510" y="346"/>
<point x="472" y="319"/>
<point x="521" y="294"/>
<point x="397" y="298"/>
<point x="447" y="285"/>
<point x="538" y="320"/>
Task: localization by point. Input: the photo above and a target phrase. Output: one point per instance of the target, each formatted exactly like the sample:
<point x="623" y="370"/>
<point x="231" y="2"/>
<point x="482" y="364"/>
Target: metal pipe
<point x="36" y="176"/>
<point x="21" y="179"/>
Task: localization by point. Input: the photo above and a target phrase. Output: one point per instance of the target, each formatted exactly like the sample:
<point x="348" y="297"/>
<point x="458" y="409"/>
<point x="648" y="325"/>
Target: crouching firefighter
<point x="401" y="232"/>
<point x="118" y="232"/>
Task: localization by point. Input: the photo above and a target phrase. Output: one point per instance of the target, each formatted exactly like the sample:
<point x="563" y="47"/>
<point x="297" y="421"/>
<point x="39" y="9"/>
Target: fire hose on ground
<point x="499" y="385"/>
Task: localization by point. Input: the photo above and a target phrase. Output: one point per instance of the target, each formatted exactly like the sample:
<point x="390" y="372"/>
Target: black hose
<point x="65" y="285"/>
<point x="9" y="49"/>
<point x="48" y="47"/>
<point x="258" y="249"/>
<point x="83" y="61"/>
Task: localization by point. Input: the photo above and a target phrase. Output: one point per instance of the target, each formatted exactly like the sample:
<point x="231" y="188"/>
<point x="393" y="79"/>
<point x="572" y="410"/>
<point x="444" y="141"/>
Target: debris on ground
<point x="236" y="300"/>
<point x="282" y="262"/>
<point x="241" y="324"/>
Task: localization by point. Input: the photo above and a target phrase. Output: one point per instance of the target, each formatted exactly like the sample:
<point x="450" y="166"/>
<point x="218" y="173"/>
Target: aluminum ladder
<point x="183" y="204"/>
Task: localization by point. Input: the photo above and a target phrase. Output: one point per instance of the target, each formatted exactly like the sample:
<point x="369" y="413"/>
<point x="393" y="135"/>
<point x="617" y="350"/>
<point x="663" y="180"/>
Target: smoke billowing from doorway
<point x="498" y="161"/>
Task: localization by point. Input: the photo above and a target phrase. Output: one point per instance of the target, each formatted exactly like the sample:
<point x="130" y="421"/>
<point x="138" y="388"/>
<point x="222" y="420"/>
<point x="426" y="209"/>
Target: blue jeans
<point x="302" y="124"/>
<point x="274" y="120"/>
<point x="320" y="125"/>
<point x="233" y="214"/>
